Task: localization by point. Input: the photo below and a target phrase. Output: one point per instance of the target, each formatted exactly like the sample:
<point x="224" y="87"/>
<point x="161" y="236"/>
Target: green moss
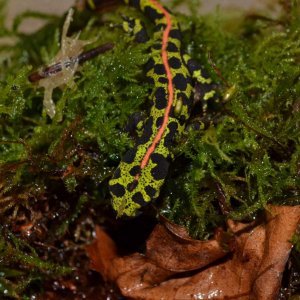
<point x="17" y="252"/>
<point x="252" y="149"/>
<point x="248" y="156"/>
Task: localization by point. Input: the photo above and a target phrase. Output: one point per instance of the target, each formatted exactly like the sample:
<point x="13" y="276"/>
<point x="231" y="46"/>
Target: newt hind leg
<point x="205" y="91"/>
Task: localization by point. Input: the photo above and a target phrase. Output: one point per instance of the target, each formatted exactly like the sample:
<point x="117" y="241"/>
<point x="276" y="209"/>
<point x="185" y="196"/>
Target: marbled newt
<point x="142" y="171"/>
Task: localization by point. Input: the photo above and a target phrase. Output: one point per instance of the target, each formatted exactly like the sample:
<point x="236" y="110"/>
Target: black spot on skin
<point x="173" y="126"/>
<point x="174" y="63"/>
<point x="142" y="140"/>
<point x="157" y="46"/>
<point x="172" y="112"/>
<point x="192" y="65"/>
<point x="180" y="82"/>
<point x="147" y="133"/>
<point x="150" y="191"/>
<point x="129" y="156"/>
<point x="160" y="98"/>
<point x="176" y="34"/>
<point x="150" y="80"/>
<point x="117" y="189"/>
<point x="141" y="36"/>
<point x="149" y="65"/>
<point x="152" y="13"/>
<point x="138" y="198"/>
<point x="135" y="170"/>
<point x="117" y="173"/>
<point x="159" y="122"/>
<point x="159" y="69"/>
<point x="172" y="47"/>
<point x="204" y="73"/>
<point x="182" y="120"/>
<point x="163" y="80"/>
<point x="132" y="185"/>
<point x="195" y="66"/>
<point x="135" y="3"/>
<point x="160" y="171"/>
<point x="160" y="27"/>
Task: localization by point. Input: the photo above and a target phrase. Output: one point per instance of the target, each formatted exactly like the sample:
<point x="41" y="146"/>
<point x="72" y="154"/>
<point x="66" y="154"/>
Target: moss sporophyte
<point x="62" y="143"/>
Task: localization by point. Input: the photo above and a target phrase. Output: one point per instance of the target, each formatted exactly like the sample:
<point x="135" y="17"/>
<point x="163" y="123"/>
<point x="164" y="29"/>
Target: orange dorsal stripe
<point x="164" y="55"/>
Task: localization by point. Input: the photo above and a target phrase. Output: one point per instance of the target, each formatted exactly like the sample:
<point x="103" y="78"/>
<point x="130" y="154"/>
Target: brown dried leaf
<point x="253" y="271"/>
<point x="101" y="253"/>
<point x="282" y="224"/>
<point x="178" y="252"/>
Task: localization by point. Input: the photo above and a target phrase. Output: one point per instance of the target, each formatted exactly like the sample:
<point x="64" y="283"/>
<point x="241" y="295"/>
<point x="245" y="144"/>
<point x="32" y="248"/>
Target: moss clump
<point x="54" y="172"/>
<point x="249" y="156"/>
